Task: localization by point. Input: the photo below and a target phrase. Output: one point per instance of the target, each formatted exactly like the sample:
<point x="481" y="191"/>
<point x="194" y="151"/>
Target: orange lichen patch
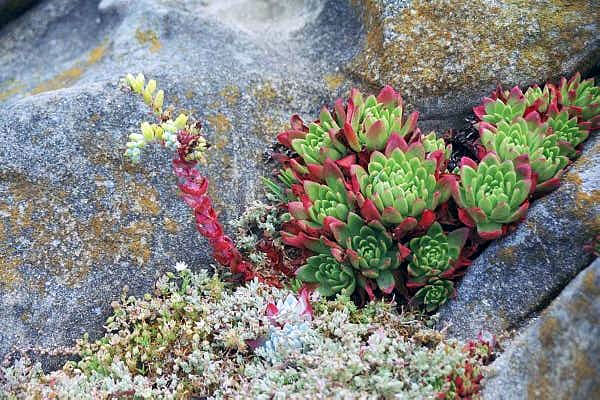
<point x="138" y="243"/>
<point x="548" y="331"/>
<point x="507" y="254"/>
<point x="171" y="225"/>
<point x="231" y="94"/>
<point x="146" y="198"/>
<point x="72" y="75"/>
<point x="589" y="283"/>
<point x="265" y="92"/>
<point x="189" y="94"/>
<point x="268" y="127"/>
<point x="573" y="177"/>
<point x="333" y="81"/>
<point x="583" y="209"/>
<point x="148" y="37"/>
<point x="221" y="143"/>
<point x="435" y="47"/>
<point x="219" y="122"/>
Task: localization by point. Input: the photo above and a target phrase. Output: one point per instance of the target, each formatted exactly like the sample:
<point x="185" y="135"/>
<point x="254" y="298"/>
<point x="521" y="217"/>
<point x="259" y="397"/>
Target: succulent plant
<point x="538" y="99"/>
<point x="368" y="247"/>
<point x="435" y="294"/>
<point x="432" y="143"/>
<point x="528" y="137"/>
<point x="317" y="142"/>
<point x="433" y="253"/>
<point x="369" y="123"/>
<point x="331" y="275"/>
<point x="493" y="193"/>
<point x="400" y="184"/>
<point x="580" y="97"/>
<point x="495" y="110"/>
<point x="567" y="130"/>
<point x="330" y="200"/>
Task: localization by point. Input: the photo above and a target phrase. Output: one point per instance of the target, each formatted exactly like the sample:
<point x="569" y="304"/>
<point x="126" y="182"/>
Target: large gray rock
<point x="446" y="54"/>
<point x="10" y="9"/>
<point x="77" y="222"/>
<point x="558" y="355"/>
<point x="519" y="275"/>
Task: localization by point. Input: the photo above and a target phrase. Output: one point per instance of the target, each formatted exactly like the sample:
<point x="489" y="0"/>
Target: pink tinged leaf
<point x="331" y="171"/>
<point x="426" y="220"/>
<point x="547" y="186"/>
<point x="595" y="123"/>
<point x="477" y="215"/>
<point x="316" y="171"/>
<point x="481" y="152"/>
<point x="553" y="108"/>
<point x="352" y="137"/>
<point x="490" y="231"/>
<point x="395" y="141"/>
<point x="440" y="159"/>
<point x="369" y="211"/>
<point x="458" y="237"/>
<point x="298" y="124"/>
<point x="520" y="212"/>
<point x="485" y="126"/>
<point x="353" y="257"/>
<point x="297" y="209"/>
<point x="285" y="138"/>
<point x="466" y="161"/>
<point x="522" y="166"/>
<point x="465" y="218"/>
<point x="338" y="254"/>
<point x="375" y="136"/>
<point x="411" y="123"/>
<point x="340" y="113"/>
<point x="255" y="343"/>
<point x="386" y="282"/>
<point x="298" y="168"/>
<point x="404" y="227"/>
<point x="210" y="229"/>
<point x="479" y="111"/>
<point x="369" y="289"/>
<point x="534" y="118"/>
<point x="403" y="252"/>
<point x="517" y="93"/>
<point x="347" y="161"/>
<point x="387" y="95"/>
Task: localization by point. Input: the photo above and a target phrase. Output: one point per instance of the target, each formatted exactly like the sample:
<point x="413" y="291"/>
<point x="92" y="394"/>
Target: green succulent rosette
<point x="433" y="295"/>
<point x="432" y="143"/>
<point x="332" y="276"/>
<point x="492" y="193"/>
<point x="433" y="253"/>
<point x="329" y="200"/>
<point x="493" y="111"/>
<point x="528" y="137"/>
<point x="400" y="185"/>
<point x="537" y="98"/>
<point x="320" y="142"/>
<point x="568" y="131"/>
<point x="369" y="248"/>
<point x="370" y="122"/>
<point x="582" y="98"/>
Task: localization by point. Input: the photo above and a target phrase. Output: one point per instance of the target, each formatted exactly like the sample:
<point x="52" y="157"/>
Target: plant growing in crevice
<point x="493" y="193"/>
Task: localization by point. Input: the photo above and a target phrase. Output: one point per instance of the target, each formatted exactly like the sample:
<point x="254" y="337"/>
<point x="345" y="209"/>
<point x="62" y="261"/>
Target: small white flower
<point x="180" y="266"/>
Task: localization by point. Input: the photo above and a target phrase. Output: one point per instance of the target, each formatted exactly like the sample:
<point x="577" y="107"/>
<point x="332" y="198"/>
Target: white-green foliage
<point x="193" y="338"/>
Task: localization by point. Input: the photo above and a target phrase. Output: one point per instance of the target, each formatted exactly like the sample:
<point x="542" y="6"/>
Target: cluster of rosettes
<point x="371" y="198"/>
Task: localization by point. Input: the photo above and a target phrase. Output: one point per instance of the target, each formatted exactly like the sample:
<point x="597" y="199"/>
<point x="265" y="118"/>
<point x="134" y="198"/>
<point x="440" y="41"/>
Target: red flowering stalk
<point x="193" y="186"/>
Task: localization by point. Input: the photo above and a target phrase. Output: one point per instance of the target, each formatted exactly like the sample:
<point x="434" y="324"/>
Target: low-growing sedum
<point x="197" y="337"/>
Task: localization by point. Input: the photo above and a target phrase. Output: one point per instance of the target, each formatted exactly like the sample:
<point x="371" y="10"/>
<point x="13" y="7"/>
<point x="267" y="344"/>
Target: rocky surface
<point x="447" y="54"/>
<point x="10" y="9"/>
<point x="518" y="276"/>
<point x="77" y="222"/>
<point x="558" y="355"/>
